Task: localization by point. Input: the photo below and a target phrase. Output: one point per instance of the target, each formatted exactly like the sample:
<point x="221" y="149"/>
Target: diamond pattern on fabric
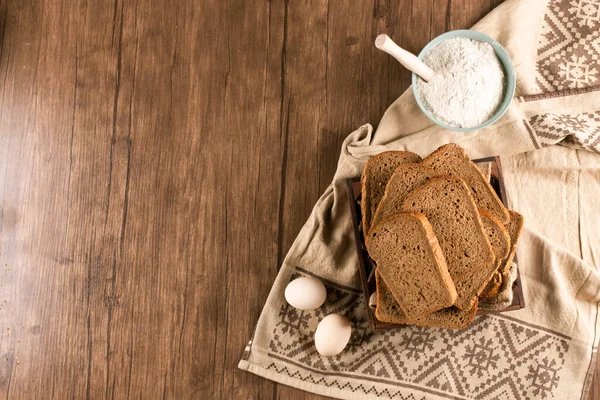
<point x="496" y="357"/>
<point x="580" y="131"/>
<point x="568" y="55"/>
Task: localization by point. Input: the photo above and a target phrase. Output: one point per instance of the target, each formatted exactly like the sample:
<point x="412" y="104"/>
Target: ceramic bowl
<point x="504" y="59"/>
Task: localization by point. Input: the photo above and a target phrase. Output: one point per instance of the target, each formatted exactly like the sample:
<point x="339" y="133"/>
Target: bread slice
<point x="403" y="181"/>
<point x="449" y="318"/>
<point x="410" y="261"/>
<point x="492" y="287"/>
<point x="375" y="176"/>
<point x="451" y="159"/>
<point x="501" y="278"/>
<point x="514" y="227"/>
<point x="471" y="287"/>
<point x="388" y="310"/>
<point x="448" y="205"/>
<point x="486" y="169"/>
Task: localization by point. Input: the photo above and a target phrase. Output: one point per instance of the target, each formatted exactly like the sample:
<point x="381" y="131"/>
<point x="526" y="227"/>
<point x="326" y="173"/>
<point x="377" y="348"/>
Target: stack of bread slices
<point x="439" y="235"/>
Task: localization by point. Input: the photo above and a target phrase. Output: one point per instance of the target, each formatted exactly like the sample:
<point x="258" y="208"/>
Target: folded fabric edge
<point x="591" y="370"/>
<point x="296" y="383"/>
<point x="338" y="392"/>
<point x="586" y="291"/>
<point x="559" y="93"/>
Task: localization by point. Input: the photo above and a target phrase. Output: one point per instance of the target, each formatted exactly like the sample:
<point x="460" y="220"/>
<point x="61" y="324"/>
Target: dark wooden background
<point x="157" y="160"/>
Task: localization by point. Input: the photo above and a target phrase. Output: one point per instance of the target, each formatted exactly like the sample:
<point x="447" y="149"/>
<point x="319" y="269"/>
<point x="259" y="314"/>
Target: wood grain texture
<point x="157" y="161"/>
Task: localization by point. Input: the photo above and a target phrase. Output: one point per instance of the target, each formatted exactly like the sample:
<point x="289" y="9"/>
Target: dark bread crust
<point x="376" y="173"/>
<point x="451" y="159"/>
<point x="411" y="263"/>
<point x="451" y="210"/>
<point x="406" y="178"/>
<point x="487" y="262"/>
<point x="388" y="310"/>
<point x="471" y="288"/>
<point x="448" y="318"/>
<point x="514" y="227"/>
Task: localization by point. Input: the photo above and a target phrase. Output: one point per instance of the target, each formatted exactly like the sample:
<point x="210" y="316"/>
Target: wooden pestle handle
<point x="409" y="60"/>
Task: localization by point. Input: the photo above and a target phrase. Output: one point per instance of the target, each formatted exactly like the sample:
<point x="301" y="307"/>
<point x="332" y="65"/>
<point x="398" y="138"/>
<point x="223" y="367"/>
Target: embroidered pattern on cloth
<point x="581" y="131"/>
<point x="569" y="46"/>
<point x="496" y="357"/>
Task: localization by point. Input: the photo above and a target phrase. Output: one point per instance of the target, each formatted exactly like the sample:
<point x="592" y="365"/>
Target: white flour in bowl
<point x="468" y="86"/>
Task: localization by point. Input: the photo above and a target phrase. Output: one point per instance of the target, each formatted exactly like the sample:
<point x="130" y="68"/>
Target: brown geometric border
<point x="347" y="385"/>
<point x="560" y="93"/>
<point x="496" y="354"/>
<point x="531" y="134"/>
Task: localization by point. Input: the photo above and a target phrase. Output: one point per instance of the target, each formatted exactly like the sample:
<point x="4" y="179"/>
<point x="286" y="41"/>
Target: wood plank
<point x="350" y="95"/>
<point x="44" y="289"/>
<point x="115" y="210"/>
<point x="157" y="162"/>
<point x="255" y="147"/>
<point x="304" y="107"/>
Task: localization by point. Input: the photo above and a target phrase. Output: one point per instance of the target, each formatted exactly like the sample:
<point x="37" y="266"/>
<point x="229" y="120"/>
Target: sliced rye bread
<point x="514" y="227"/>
<point x="471" y="287"/>
<point x="451" y="159"/>
<point x="403" y="181"/>
<point x="410" y="261"/>
<point x="502" y="277"/>
<point x="375" y="176"/>
<point x="388" y="310"/>
<point x="492" y="287"/>
<point x="486" y="169"/>
<point x="449" y="206"/>
<point x="448" y="318"/>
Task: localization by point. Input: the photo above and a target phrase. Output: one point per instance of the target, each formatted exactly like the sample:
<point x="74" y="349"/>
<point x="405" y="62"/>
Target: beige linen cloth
<point x="549" y="143"/>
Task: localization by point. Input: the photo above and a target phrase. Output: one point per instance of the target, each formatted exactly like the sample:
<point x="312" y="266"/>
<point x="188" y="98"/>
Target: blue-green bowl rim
<point x="504" y="59"/>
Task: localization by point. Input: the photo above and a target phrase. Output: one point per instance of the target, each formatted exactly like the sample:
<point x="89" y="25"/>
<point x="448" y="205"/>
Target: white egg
<point x="332" y="335"/>
<point x="305" y="293"/>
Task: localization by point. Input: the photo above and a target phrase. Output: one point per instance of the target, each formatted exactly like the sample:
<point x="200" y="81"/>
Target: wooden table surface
<point x="157" y="160"/>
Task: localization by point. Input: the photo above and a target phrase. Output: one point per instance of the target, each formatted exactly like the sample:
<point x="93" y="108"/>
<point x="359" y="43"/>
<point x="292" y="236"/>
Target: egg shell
<point x="305" y="293"/>
<point x="332" y="335"/>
